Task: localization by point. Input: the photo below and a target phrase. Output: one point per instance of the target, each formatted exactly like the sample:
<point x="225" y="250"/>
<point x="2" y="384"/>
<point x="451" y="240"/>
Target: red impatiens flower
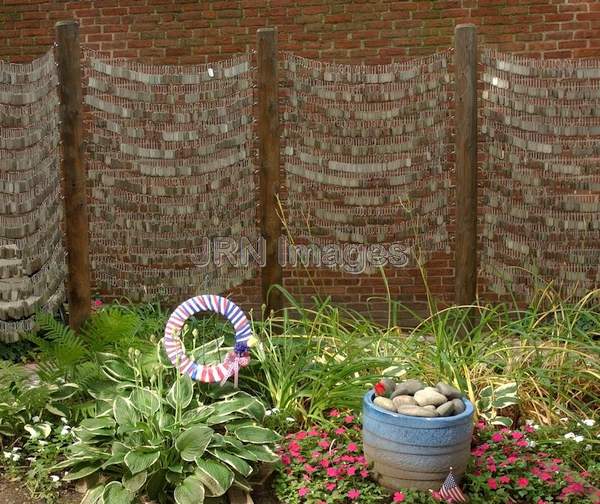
<point x="492" y="485"/>
<point x="522" y="482"/>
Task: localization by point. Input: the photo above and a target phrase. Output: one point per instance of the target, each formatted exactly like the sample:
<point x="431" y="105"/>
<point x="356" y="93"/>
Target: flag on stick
<point x="450" y="491"/>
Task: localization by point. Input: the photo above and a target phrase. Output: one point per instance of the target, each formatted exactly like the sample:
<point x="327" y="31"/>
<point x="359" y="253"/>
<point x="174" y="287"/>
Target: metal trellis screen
<point x="366" y="152"/>
<point x="171" y="167"/>
<point x="541" y="121"/>
<point x="32" y="258"/>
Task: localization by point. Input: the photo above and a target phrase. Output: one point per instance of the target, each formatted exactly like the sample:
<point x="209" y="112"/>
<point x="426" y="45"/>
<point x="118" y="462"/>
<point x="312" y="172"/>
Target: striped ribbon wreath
<point x="234" y="360"/>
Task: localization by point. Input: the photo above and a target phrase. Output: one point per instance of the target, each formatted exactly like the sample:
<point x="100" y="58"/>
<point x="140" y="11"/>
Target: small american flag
<point x="450" y="490"/>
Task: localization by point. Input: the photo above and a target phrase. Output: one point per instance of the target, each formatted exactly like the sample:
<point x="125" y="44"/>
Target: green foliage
<point x="325" y="358"/>
<point x="159" y="435"/>
<point x="38" y="449"/>
<point x="23" y="397"/>
<point x="524" y="465"/>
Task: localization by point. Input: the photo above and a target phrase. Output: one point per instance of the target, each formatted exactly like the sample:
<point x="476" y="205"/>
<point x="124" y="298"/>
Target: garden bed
<point x="97" y="396"/>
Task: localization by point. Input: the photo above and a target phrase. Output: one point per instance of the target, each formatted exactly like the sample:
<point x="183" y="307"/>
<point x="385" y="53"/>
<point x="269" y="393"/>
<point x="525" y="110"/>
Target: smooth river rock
<point x="408" y="387"/>
<point x="446" y="409"/>
<point x="459" y="406"/>
<point x="448" y="390"/>
<point x="416" y="411"/>
<point x="385" y="403"/>
<point x="404" y="400"/>
<point x="428" y="396"/>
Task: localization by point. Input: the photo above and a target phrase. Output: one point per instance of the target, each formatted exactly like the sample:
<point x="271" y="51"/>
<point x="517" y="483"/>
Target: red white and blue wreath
<point x="238" y="358"/>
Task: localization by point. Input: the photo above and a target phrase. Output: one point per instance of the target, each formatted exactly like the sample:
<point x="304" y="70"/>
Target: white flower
<point x="42" y="442"/>
<point x="588" y="447"/>
<point x="570" y="435"/>
<point x="54" y="478"/>
<point x="578" y="439"/>
<point x="589" y="422"/>
<point x="65" y="430"/>
<point x="290" y="419"/>
<point x="7" y="454"/>
<point x="532" y="444"/>
<point x="16" y="448"/>
<point x="35" y="419"/>
<point x="64" y="420"/>
<point x="30" y="459"/>
<point x="16" y="456"/>
<point x="273" y="411"/>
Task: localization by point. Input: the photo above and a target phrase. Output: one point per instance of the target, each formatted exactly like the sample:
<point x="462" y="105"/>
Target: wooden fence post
<point x="465" y="67"/>
<point x="269" y="160"/>
<point x="73" y="171"/>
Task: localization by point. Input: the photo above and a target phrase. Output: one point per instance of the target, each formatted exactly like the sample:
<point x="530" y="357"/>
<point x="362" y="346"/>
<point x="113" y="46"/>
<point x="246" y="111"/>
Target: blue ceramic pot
<point x="415" y="452"/>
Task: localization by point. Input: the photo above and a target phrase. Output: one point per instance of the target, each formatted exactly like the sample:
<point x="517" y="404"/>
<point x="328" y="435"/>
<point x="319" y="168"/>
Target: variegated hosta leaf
<point x="190" y="491"/>
<point x="256" y="435"/>
<point x="141" y="459"/>
<point x="115" y="493"/>
<point x="192" y="442"/>
<point x="216" y="477"/>
<point x="233" y="461"/>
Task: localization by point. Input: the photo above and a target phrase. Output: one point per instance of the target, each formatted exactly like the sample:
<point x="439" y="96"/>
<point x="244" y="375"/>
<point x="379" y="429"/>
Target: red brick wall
<point x="372" y="31"/>
<point x="369" y="31"/>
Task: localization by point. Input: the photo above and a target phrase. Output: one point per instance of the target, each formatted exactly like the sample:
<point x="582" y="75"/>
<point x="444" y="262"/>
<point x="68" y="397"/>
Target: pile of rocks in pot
<point x="414" y="398"/>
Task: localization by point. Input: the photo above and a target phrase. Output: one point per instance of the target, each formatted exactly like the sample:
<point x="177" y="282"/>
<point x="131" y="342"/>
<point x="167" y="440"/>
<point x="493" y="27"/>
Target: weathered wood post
<point x="73" y="171"/>
<point x="269" y="161"/>
<point x="465" y="67"/>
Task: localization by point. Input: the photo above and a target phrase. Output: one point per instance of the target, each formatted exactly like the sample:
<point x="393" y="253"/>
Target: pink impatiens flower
<point x="522" y="482"/>
<point x="330" y="487"/>
<point x="340" y="431"/>
<point x="334" y="413"/>
<point x="348" y="419"/>
<point x="399" y="497"/>
<point x="352" y="447"/>
<point x="504" y="480"/>
<point x="353" y="494"/>
<point x="332" y="472"/>
<point x="491" y="483"/>
<point x="309" y="469"/>
<point x="303" y="491"/>
<point x="497" y="437"/>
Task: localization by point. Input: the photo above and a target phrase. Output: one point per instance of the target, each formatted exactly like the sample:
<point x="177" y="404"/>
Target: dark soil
<point x="14" y="492"/>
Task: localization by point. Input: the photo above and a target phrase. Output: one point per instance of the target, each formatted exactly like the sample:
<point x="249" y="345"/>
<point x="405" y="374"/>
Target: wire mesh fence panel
<point x="366" y="153"/>
<point x="541" y="121"/>
<point x="171" y="170"/>
<point x="32" y="257"/>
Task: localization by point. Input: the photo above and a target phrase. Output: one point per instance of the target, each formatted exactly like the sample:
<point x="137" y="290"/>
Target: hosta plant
<point x="169" y="443"/>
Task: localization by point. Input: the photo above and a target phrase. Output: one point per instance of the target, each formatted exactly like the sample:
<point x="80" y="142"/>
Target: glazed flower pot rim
<point x="368" y="402"/>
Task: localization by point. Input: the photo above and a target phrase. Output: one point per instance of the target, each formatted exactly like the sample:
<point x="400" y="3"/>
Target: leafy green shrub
<point x="23" y="397"/>
<point x="158" y="435"/>
<point x="514" y="466"/>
